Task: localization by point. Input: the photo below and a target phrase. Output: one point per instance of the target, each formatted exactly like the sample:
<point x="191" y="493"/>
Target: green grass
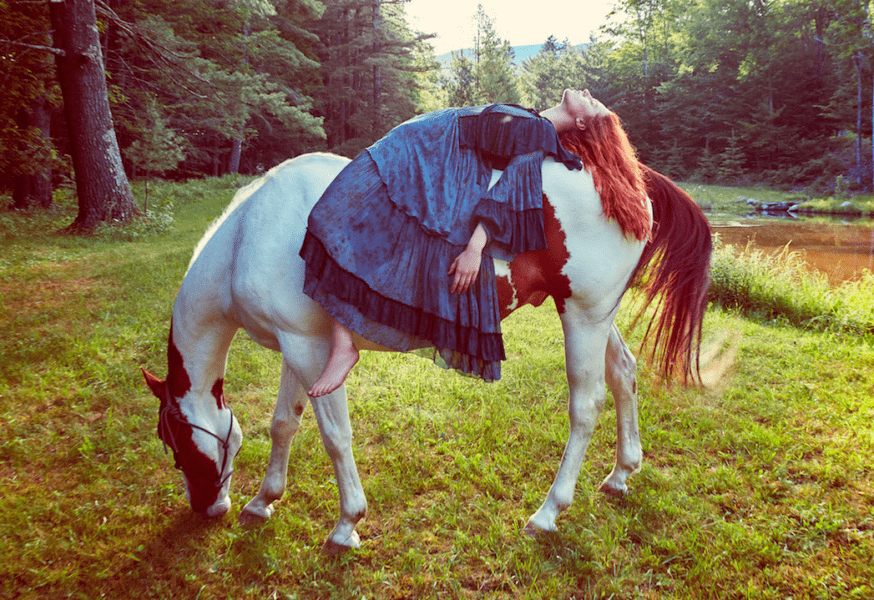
<point x="759" y="486"/>
<point x="780" y="287"/>
<point x="719" y="198"/>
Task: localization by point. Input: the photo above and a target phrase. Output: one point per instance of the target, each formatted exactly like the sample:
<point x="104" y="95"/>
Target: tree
<point x="548" y="73"/>
<point x="27" y="155"/>
<point x="461" y="87"/>
<point x="495" y="72"/>
<point x="157" y="150"/>
<point x="102" y="187"/>
<point x="368" y="57"/>
<point x="731" y="162"/>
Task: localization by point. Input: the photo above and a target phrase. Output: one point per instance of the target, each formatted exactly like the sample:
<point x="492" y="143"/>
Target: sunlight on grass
<point x="758" y="486"/>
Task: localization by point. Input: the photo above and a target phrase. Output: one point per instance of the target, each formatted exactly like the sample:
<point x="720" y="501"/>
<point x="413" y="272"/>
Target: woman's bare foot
<point x="344" y="356"/>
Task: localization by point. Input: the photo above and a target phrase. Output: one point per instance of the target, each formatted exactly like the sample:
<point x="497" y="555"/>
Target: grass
<point x="780" y="287"/>
<point x="719" y="198"/>
<point x="759" y="486"/>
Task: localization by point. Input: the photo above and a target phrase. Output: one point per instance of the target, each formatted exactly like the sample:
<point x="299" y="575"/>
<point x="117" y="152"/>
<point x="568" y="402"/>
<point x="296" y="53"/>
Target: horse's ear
<point x="158" y="387"/>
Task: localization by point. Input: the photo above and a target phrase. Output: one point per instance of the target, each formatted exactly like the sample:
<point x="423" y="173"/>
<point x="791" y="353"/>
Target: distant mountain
<point x="523" y="53"/>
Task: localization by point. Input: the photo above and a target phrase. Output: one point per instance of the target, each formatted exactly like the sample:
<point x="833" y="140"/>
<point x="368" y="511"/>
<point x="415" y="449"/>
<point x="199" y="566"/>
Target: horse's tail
<point x="675" y="264"/>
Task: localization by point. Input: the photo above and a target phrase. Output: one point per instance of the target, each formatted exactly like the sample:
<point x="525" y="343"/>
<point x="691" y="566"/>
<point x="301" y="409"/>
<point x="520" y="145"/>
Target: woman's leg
<point x="343" y="357"/>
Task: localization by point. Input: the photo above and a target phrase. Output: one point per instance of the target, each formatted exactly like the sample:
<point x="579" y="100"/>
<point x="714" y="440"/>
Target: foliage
<point x="757" y="487"/>
<point x="26" y="77"/>
<point x="369" y="59"/>
<point x="772" y="92"/>
<point x="780" y="287"/>
<point x="548" y="73"/>
<point x="158" y="148"/>
<point x="487" y="74"/>
<point x="223" y="72"/>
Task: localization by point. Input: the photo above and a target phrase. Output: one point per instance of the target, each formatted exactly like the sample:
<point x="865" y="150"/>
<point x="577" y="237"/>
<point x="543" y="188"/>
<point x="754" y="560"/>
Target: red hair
<point x="610" y="158"/>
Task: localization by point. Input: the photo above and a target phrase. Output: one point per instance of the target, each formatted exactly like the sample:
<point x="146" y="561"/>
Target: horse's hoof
<point x="531" y="531"/>
<point x="535" y="532"/>
<point x="250" y="518"/>
<point x="613" y="491"/>
<point x="332" y="548"/>
<point x="219" y="509"/>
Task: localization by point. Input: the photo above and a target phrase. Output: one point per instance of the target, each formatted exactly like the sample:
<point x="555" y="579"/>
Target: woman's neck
<point x="560" y="119"/>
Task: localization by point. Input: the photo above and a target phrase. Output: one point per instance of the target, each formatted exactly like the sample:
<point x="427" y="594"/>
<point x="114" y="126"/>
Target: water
<point x="841" y="250"/>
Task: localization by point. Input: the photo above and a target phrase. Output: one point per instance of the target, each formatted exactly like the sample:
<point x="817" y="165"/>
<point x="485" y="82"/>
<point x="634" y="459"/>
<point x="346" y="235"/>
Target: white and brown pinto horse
<point x="246" y="273"/>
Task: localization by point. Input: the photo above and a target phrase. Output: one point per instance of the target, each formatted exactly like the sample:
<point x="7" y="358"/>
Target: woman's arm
<point x="465" y="267"/>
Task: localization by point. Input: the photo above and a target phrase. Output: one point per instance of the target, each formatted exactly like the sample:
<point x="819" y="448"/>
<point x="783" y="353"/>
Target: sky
<point x="520" y="23"/>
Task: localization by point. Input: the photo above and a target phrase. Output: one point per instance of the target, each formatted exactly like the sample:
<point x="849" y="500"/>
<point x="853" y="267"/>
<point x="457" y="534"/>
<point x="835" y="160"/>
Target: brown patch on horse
<point x="218" y="393"/>
<point x="200" y="470"/>
<point x="177" y="376"/>
<point x="534" y="276"/>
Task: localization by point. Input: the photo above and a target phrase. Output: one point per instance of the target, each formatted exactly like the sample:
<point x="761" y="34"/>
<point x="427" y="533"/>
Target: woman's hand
<point x="465" y="267"/>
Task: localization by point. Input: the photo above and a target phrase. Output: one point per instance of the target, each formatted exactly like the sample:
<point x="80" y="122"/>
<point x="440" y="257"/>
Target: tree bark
<point x="102" y="186"/>
<point x="236" y="155"/>
<point x="858" y="60"/>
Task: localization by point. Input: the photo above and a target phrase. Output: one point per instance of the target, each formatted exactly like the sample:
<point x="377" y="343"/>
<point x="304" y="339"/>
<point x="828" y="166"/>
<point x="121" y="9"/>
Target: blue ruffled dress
<point x="382" y="237"/>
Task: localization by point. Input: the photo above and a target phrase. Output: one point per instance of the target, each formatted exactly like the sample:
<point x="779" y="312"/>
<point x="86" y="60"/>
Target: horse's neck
<point x="196" y="358"/>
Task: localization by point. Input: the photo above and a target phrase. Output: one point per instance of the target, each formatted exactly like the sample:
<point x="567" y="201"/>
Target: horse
<point x="246" y="274"/>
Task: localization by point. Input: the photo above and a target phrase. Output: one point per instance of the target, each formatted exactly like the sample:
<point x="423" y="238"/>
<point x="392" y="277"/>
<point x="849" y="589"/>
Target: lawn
<point x="757" y="486"/>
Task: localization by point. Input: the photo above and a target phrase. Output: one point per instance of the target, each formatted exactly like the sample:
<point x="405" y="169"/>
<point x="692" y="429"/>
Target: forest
<point x="763" y="92"/>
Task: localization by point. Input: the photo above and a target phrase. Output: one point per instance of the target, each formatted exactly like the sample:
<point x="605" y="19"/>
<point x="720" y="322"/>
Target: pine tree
<point x="368" y="64"/>
<point x="731" y="161"/>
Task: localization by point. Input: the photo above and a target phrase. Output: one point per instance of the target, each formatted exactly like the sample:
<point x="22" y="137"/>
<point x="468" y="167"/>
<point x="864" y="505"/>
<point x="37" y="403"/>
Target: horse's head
<point x="204" y="437"/>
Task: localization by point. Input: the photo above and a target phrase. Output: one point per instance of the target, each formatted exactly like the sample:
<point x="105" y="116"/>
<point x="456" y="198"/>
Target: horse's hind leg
<point x="290" y="404"/>
<point x="621" y="375"/>
<point x="584" y="355"/>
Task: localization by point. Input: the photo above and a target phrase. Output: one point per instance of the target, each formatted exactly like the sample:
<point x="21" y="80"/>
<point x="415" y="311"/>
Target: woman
<point x="394" y="247"/>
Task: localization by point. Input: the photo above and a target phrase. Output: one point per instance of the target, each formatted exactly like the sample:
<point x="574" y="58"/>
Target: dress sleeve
<point x="512" y="211"/>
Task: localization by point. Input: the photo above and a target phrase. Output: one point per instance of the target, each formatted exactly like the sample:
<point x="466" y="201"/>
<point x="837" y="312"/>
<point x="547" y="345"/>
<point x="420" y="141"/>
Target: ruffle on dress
<point x="512" y="211"/>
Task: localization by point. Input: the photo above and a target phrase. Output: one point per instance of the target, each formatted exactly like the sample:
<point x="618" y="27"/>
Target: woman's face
<point x="580" y="104"/>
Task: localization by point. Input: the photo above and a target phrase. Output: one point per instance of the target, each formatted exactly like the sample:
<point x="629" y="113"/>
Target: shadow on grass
<point x="158" y="568"/>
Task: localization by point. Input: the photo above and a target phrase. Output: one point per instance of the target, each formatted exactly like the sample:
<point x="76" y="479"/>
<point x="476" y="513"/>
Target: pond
<point x="841" y="249"/>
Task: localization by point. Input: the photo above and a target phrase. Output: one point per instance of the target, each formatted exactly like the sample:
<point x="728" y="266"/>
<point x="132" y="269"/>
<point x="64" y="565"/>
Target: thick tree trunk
<point x="101" y="184"/>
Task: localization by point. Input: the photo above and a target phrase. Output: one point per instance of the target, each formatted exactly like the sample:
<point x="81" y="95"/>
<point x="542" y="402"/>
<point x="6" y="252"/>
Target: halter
<point x="165" y="432"/>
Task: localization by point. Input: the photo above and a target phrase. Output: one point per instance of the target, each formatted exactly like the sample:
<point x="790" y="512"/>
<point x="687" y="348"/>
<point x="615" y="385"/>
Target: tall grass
<point x="759" y="486"/>
<point x="767" y="287"/>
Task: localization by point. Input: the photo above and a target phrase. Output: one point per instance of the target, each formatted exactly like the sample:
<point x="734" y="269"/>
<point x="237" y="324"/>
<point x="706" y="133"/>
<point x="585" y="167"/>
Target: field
<point x="757" y="486"/>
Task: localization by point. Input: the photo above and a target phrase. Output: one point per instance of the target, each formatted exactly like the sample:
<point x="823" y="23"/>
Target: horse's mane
<point x="606" y="152"/>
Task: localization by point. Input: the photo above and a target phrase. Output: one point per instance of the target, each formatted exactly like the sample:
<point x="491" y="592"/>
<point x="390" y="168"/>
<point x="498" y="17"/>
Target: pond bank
<point x="842" y="251"/>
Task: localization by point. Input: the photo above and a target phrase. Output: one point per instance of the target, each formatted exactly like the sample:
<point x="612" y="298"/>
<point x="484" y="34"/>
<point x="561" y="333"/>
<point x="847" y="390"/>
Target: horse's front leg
<point x="585" y="345"/>
<point x="621" y="373"/>
<point x="290" y="404"/>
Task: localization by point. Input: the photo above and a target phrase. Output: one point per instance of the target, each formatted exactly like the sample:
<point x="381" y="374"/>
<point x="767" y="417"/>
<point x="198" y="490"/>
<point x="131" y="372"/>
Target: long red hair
<point x="606" y="152"/>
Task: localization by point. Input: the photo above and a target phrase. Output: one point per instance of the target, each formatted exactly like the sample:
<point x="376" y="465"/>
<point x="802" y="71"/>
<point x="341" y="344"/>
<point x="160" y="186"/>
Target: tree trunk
<point x="377" y="75"/>
<point x="35" y="188"/>
<point x="236" y="155"/>
<point x="101" y="184"/>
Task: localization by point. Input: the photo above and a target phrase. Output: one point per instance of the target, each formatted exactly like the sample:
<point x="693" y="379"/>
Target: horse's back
<point x="247" y="266"/>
